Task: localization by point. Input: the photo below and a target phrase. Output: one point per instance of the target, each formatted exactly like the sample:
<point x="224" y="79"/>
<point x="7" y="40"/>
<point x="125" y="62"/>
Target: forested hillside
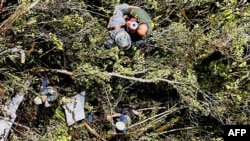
<point x="189" y="79"/>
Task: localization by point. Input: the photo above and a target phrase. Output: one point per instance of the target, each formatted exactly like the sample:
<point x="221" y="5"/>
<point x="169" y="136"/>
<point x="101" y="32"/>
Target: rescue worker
<point x="123" y="117"/>
<point x="118" y="35"/>
<point x="48" y="94"/>
<point x="137" y="22"/>
<point x="133" y="15"/>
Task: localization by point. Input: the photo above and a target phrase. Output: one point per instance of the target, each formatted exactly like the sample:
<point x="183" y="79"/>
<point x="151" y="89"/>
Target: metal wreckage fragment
<point x="74" y="111"/>
<point x="74" y="108"/>
<point x="10" y="108"/>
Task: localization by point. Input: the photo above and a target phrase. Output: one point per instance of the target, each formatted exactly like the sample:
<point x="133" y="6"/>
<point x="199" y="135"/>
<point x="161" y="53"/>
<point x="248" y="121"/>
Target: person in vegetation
<point x="48" y="94"/>
<point x="138" y="22"/>
<point x="123" y="117"/>
<point x="118" y="36"/>
<point x="132" y="19"/>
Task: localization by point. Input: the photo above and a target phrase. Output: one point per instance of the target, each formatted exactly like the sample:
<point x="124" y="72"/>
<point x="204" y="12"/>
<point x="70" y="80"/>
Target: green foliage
<point x="56" y="41"/>
<point x="60" y="134"/>
<point x="196" y="61"/>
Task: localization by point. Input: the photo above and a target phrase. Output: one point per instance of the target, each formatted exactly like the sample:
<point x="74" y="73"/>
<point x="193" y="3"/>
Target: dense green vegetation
<point x="189" y="79"/>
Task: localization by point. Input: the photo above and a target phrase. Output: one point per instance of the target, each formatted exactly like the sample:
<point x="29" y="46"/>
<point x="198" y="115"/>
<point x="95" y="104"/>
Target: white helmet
<point x="120" y="125"/>
<point x="123" y="40"/>
<point x="38" y="100"/>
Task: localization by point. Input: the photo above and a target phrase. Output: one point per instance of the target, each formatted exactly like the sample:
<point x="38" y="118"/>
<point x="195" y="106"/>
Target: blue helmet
<point x="123" y="40"/>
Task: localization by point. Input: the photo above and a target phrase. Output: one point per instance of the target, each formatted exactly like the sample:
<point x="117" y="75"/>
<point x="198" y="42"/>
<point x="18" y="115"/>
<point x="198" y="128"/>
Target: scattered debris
<point x="11" y="108"/>
<point x="14" y="50"/>
<point x="74" y="110"/>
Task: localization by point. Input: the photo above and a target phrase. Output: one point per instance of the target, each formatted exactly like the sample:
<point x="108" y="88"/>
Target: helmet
<point x="120" y="125"/>
<point x="38" y="100"/>
<point x="123" y="40"/>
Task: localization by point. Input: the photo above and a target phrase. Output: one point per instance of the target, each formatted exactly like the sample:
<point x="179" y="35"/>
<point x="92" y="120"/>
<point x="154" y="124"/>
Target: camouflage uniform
<point x="141" y="16"/>
<point x="116" y="20"/>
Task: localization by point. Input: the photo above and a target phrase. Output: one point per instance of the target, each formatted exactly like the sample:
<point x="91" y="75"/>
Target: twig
<point x="121" y="93"/>
<point x="148" y="119"/>
<point x="178" y="129"/>
<point x="37" y="70"/>
<point x="18" y="13"/>
<point x="167" y="125"/>
<point x="110" y="74"/>
<point x="47" y="52"/>
<point x="92" y="131"/>
<point x="21" y="133"/>
<point x="143" y="80"/>
<point x="1" y="5"/>
<point x="108" y="100"/>
<point x="96" y="12"/>
<point x="110" y="110"/>
<point x="144" y="109"/>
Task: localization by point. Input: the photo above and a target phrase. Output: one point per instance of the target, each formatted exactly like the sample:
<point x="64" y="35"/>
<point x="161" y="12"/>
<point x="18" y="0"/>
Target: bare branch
<point x="37" y="70"/>
<point x="143" y="80"/>
<point x="178" y="129"/>
<point x="144" y="109"/>
<point x="163" y="113"/>
<point x="92" y="131"/>
<point x="19" y="12"/>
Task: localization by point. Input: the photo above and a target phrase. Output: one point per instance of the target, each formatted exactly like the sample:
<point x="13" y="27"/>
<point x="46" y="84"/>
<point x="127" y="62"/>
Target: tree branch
<point x="143" y="80"/>
<point x="178" y="129"/>
<point x="18" y="13"/>
<point x="36" y="70"/>
<point x="92" y="131"/>
<point x="163" y="113"/>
